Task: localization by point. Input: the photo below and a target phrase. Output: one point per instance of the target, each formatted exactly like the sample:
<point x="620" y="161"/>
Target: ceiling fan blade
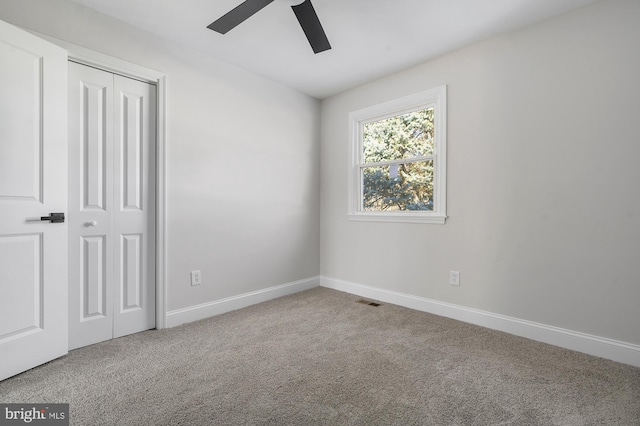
<point x="311" y="26"/>
<point x="238" y="15"/>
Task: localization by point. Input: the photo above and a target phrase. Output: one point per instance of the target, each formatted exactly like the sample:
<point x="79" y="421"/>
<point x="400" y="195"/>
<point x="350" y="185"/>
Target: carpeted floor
<point x="319" y="357"/>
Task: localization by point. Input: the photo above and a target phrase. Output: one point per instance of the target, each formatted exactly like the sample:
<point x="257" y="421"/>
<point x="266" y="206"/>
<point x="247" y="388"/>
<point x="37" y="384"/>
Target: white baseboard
<point x="623" y="352"/>
<point x="206" y="310"/>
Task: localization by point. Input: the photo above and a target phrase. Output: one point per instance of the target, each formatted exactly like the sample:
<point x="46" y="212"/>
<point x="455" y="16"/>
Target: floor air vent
<point x="366" y="302"/>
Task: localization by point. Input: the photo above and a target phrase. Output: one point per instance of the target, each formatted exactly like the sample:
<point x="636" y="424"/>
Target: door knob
<point x="91" y="224"/>
<point x="54" y="217"/>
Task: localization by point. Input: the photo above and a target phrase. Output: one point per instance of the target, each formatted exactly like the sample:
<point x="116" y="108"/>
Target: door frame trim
<point x="114" y="65"/>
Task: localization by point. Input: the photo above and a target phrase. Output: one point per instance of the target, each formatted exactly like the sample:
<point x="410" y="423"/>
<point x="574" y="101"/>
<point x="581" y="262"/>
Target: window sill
<point x="397" y="218"/>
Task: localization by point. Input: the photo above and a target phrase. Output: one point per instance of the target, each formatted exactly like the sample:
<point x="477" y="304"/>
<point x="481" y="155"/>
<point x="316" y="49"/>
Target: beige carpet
<point x="319" y="357"/>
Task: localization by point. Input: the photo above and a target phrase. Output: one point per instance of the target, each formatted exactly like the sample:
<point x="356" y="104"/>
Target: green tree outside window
<point x="398" y="168"/>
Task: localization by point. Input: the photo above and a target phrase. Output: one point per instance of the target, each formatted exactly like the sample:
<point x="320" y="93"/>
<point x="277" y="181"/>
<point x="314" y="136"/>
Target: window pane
<point x="407" y="186"/>
<point x="399" y="137"/>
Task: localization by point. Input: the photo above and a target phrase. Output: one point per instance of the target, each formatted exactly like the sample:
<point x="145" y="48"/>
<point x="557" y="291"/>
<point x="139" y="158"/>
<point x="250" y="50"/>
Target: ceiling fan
<point x="304" y="11"/>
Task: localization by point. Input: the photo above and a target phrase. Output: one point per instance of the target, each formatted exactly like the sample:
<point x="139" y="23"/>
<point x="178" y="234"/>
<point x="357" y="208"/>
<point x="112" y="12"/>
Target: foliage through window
<point x="397" y="172"/>
<point x="398" y="159"/>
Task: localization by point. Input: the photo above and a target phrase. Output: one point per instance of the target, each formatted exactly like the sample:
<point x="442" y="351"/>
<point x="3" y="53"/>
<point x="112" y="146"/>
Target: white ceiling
<point x="369" y="38"/>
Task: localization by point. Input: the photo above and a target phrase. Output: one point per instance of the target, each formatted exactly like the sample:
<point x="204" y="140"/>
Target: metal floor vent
<point x="366" y="302"/>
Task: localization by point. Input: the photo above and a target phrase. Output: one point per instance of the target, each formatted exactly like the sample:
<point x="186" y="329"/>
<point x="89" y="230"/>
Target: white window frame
<point x="435" y="98"/>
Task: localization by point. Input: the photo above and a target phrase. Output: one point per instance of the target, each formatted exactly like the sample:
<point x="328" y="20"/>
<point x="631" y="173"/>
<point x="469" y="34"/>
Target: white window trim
<point x="434" y="98"/>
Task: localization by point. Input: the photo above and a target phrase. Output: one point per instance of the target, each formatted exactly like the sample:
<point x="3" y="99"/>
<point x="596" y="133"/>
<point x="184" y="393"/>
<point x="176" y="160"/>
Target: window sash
<point x="423" y="159"/>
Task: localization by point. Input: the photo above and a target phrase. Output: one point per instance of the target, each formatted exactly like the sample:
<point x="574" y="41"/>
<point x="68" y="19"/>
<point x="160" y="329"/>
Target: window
<point x="398" y="160"/>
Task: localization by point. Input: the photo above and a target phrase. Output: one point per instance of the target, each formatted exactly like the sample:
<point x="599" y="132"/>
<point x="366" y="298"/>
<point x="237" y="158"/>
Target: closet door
<point x="134" y="197"/>
<point x="111" y="206"/>
<point x="90" y="206"/>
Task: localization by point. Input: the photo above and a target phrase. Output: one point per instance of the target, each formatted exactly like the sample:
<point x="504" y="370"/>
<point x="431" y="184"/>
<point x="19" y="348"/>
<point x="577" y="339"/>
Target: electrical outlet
<point x="196" y="278"/>
<point x="454" y="277"/>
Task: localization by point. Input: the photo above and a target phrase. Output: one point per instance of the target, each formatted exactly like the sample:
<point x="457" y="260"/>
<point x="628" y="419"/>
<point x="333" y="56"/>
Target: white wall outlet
<point x="196" y="278"/>
<point x="454" y="277"/>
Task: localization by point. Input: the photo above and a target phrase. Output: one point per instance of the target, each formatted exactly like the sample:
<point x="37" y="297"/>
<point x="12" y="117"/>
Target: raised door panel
<point x="21" y="129"/>
<point x="131" y="272"/>
<point x="21" y="256"/>
<point x="93" y="289"/>
<point x="132" y="136"/>
<point x="95" y="137"/>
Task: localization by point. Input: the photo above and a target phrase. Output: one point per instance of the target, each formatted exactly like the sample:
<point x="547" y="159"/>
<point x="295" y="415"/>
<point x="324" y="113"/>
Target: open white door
<point x="33" y="184"/>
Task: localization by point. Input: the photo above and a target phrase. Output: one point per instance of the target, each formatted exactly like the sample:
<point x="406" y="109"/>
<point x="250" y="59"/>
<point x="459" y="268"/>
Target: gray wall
<point x="242" y="159"/>
<point x="543" y="178"/>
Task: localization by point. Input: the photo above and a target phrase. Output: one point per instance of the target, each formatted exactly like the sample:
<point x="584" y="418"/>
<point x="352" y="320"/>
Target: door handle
<point x="54" y="217"/>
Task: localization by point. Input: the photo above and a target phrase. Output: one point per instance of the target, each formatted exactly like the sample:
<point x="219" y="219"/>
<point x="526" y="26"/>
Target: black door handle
<point x="54" y="217"/>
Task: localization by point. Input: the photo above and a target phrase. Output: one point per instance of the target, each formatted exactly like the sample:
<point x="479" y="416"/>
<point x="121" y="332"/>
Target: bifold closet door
<point x="111" y="205"/>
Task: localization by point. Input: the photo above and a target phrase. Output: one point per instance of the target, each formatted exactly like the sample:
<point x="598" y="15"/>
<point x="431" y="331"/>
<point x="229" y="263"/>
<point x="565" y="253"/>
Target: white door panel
<point x="33" y="183"/>
<point x="134" y="223"/>
<point x="90" y="205"/>
<point x="112" y="205"/>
